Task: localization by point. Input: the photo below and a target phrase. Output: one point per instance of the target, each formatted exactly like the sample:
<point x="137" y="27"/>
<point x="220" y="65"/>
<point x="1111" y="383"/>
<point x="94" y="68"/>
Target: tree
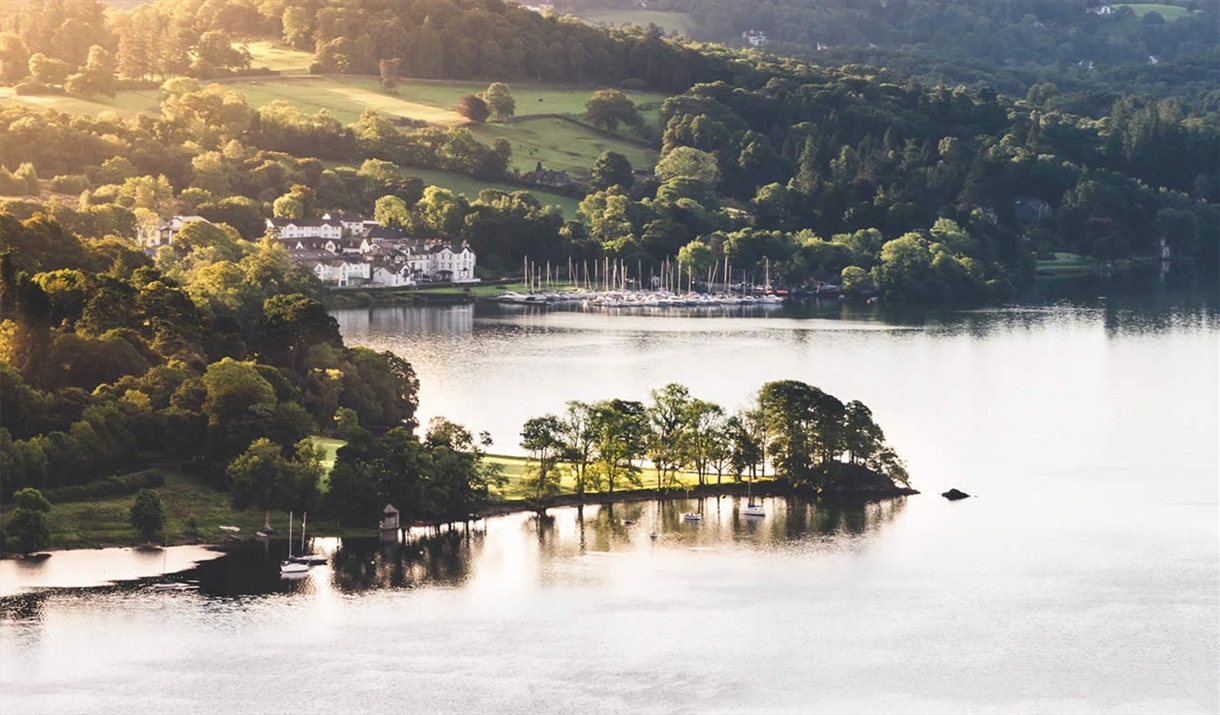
<point x="607" y="108"/>
<point x="620" y="427"/>
<point x="543" y="438"/>
<point x="14" y="58"/>
<point x="147" y="514"/>
<point x="579" y="440"/>
<point x="612" y="169"/>
<point x="288" y="206"/>
<point x="667" y="417"/>
<point x="389" y="72"/>
<point x="48" y="70"/>
<point x="804" y="429"/>
<point x="687" y="163"/>
<point x="260" y="477"/>
<point x="292" y="324"/>
<point x="704" y="437"/>
<point x="29" y="528"/>
<point x="391" y="211"/>
<point x="696" y="258"/>
<point x="473" y="108"/>
<point x="500" y="101"/>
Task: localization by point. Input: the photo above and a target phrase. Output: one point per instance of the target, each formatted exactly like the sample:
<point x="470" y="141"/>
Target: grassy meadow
<point x="557" y="143"/>
<point x="670" y="22"/>
<point x="470" y="186"/>
<point x="560" y="145"/>
<point x="1171" y="13"/>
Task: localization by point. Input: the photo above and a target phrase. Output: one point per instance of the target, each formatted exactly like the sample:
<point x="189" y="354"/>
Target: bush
<point x="33" y="87"/>
<point x="70" y="184"/>
<point x="110" y="487"/>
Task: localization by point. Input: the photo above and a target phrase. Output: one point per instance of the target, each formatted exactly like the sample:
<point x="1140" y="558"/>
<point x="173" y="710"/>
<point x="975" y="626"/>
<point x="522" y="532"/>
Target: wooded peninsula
<point x="851" y="144"/>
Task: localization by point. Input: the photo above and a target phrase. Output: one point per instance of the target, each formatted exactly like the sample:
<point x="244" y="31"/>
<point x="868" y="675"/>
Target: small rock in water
<point x="954" y="495"/>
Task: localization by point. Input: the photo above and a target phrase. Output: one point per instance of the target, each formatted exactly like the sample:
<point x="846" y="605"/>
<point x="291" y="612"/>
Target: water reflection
<point x="450" y="557"/>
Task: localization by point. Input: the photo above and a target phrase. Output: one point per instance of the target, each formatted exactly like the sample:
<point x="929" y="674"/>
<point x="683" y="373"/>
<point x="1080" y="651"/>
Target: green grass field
<point x="1171" y="13"/>
<point x="470" y="186"/>
<point x="278" y="57"/>
<point x="106" y="521"/>
<point x="670" y="22"/>
<point x="560" y="145"/>
<point x="125" y="104"/>
<point x="1065" y="264"/>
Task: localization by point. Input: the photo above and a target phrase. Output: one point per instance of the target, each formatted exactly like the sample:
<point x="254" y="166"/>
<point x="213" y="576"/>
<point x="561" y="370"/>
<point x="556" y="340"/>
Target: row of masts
<point x="612" y="275"/>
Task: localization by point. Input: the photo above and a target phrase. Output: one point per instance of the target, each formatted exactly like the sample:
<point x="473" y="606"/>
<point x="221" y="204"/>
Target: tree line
<point x="808" y="438"/>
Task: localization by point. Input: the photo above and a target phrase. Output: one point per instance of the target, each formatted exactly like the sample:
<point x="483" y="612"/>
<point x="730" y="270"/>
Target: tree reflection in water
<point x="439" y="558"/>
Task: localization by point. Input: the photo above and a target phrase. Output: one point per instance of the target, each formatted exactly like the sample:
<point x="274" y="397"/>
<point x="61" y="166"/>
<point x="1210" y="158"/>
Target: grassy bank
<point x="106" y="522"/>
<point x="1065" y="264"/>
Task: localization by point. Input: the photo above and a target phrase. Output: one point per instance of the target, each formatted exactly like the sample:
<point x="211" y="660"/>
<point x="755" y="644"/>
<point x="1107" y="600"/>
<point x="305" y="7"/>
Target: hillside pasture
<point x="278" y="57"/>
<point x="671" y="22"/>
<point x="1171" y="13"/>
<point x="470" y="186"/>
<point x="560" y="145"/>
<point x="126" y="104"/>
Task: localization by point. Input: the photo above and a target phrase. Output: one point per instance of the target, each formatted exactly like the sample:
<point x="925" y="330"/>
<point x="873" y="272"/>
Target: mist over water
<point x="1084" y="575"/>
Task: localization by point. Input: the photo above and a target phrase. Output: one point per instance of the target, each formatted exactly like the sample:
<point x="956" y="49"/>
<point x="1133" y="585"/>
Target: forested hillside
<point x="842" y="172"/>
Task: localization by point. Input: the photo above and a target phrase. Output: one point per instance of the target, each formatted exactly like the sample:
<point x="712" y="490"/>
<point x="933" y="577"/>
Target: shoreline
<point x="770" y="488"/>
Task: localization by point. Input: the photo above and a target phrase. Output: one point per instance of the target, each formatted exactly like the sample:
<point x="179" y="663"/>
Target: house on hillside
<point x="1028" y="209"/>
<point x="754" y="37"/>
<point x="352" y="224"/>
<point x="546" y="177"/>
<point x="287" y="228"/>
<point x="163" y="234"/>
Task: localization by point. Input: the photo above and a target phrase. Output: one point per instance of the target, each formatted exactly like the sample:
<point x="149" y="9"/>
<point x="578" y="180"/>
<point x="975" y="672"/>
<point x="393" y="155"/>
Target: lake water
<point x="1084" y="576"/>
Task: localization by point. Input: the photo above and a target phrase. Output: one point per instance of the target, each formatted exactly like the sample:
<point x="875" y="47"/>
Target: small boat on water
<point x="289" y="567"/>
<point x="692" y="516"/>
<point x="304" y="558"/>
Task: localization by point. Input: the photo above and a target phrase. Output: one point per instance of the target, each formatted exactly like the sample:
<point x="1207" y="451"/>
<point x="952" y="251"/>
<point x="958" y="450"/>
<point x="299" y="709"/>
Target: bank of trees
<point x="108" y="357"/>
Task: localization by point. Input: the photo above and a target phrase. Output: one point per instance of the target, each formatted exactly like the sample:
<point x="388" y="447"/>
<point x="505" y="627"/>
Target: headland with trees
<point x="216" y="356"/>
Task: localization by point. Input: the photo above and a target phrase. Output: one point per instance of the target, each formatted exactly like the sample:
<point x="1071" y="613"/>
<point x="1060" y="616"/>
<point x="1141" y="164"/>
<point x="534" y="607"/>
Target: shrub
<point x="70" y="184"/>
<point x="32" y="87"/>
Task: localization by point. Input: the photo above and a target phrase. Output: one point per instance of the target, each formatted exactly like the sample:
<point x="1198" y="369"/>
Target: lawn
<point x="278" y="56"/>
<point x="344" y="97"/>
<point x="470" y="186"/>
<point x="126" y="104"/>
<point x="515" y="470"/>
<point x="1065" y="264"/>
<point x="106" y="521"/>
<point x="1171" y="13"/>
<point x="560" y="145"/>
<point x="670" y="22"/>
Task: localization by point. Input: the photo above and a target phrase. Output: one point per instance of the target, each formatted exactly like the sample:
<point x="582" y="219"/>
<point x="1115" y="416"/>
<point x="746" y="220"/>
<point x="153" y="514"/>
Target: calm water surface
<point x="1083" y="577"/>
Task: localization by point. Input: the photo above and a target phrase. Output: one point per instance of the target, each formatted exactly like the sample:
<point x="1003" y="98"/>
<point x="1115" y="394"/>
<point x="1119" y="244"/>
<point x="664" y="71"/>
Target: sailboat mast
<point x="304" y="518"/>
<point x="289" y="535"/>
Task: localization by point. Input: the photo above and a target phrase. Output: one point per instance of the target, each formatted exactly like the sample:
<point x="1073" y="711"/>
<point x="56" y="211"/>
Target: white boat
<point x="752" y="509"/>
<point x="165" y="584"/>
<point x="290" y="567"/>
<point x="304" y="558"/>
<point x="692" y="516"/>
